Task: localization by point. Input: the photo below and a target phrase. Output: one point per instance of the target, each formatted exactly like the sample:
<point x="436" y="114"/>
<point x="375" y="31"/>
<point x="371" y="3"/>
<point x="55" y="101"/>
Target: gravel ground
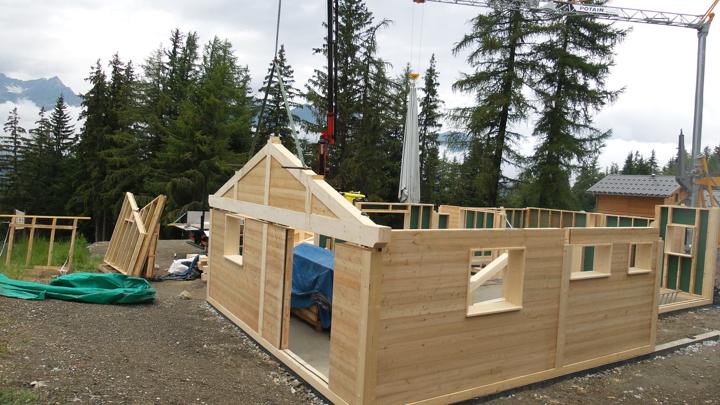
<point x="179" y="351"/>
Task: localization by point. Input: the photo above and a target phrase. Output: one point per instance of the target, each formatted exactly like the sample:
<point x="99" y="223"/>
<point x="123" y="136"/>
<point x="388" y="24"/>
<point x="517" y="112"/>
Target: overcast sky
<point x="656" y="65"/>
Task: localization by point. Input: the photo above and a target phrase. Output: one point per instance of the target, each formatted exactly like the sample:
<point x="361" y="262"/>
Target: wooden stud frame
<point x="56" y="223"/>
<point x="675" y="251"/>
<point x="133" y="243"/>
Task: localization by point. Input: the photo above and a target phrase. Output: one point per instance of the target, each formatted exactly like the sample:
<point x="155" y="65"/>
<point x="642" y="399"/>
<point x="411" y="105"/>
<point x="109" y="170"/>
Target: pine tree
<point x="448" y="177"/>
<point x="39" y="170"/>
<point x="503" y="63"/>
<point x="429" y="125"/>
<point x="91" y="164"/>
<point x="275" y="118"/>
<point x="576" y="55"/>
<point x="213" y="128"/>
<point x="61" y="129"/>
<point x="629" y="165"/>
<point x="12" y="150"/>
<point x="127" y="166"/>
<point x="653" y="163"/>
<point x="588" y="176"/>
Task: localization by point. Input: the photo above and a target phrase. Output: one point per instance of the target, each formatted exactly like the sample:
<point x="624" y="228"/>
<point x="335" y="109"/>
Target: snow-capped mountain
<point x="42" y="92"/>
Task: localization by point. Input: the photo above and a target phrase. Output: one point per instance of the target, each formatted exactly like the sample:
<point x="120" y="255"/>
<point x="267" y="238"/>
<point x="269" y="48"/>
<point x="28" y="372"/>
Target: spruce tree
<point x="429" y="125"/>
<point x="575" y="60"/>
<point x="361" y="75"/>
<point x="91" y="164"/>
<point x="61" y="129"/>
<point x="210" y="133"/>
<point x="127" y="166"/>
<point x="39" y="169"/>
<point x="589" y="174"/>
<point x="12" y="150"/>
<point x="503" y="64"/>
<point x="275" y="118"/>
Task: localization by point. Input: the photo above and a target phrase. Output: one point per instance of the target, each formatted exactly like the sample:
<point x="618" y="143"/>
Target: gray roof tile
<point x="636" y="185"/>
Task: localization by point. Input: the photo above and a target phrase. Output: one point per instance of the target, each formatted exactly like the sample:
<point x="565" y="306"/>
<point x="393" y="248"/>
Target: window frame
<point x="232" y="238"/>
<point x="512" y="288"/>
<point x="602" y="261"/>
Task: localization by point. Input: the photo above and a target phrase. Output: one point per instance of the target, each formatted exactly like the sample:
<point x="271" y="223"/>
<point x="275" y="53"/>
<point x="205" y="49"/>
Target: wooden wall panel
<point x="427" y="345"/>
<point x="349" y="309"/>
<point x="609" y="315"/>
<point x="279" y="246"/>
<point x="319" y="208"/>
<point x="429" y="348"/>
<point x="454" y="217"/>
<point x="237" y="287"/>
<point x="625" y="205"/>
<point x="285" y="190"/>
<point x="251" y="188"/>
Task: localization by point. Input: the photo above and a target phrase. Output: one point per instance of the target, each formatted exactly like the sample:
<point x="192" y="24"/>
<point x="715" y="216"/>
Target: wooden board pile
<point x="134" y="240"/>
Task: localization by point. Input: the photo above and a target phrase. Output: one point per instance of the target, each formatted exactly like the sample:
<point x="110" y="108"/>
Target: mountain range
<point x="42" y="92"/>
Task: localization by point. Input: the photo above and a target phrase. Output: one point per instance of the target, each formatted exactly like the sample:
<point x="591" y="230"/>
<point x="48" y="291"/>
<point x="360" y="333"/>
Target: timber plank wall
<point x="429" y="348"/>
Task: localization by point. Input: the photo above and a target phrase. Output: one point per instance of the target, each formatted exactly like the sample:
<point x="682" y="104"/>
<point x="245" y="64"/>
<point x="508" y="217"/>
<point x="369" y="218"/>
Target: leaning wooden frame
<point x="44" y="222"/>
<point x="133" y="243"/>
<point x="405" y="328"/>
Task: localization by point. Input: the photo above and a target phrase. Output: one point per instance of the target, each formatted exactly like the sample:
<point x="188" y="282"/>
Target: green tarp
<point x="82" y="287"/>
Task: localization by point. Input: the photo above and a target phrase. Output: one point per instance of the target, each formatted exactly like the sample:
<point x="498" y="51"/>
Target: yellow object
<point x="352" y="196"/>
<point x="414" y="76"/>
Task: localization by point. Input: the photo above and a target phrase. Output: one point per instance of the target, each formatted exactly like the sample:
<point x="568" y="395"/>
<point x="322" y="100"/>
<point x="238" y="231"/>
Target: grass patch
<point x="83" y="261"/>
<point x="17" y="396"/>
<point x="4" y="349"/>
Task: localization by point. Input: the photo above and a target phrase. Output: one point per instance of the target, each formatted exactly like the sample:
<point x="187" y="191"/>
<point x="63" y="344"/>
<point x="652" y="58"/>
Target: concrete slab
<point x="310" y="345"/>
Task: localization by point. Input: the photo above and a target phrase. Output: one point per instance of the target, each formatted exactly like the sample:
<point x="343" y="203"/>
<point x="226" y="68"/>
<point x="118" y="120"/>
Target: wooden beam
<point x="489" y="272"/>
<point x="52" y="242"/>
<point x="359" y="233"/>
<point x="28" y="255"/>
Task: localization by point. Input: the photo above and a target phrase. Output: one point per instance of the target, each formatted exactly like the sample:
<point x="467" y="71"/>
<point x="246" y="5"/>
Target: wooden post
<point x="52" y="241"/>
<point x="152" y="252"/>
<point x="72" y="245"/>
<point x="28" y="255"/>
<point x="11" y="239"/>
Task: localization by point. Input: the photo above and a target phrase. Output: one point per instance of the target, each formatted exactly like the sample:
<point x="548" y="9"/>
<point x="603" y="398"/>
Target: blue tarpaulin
<point x="312" y="280"/>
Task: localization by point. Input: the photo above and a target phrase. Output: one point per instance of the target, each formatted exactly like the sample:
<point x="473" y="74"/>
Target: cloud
<point x="29" y="113"/>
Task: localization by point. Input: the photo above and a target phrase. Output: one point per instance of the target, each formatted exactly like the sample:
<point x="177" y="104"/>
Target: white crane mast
<point x="699" y="22"/>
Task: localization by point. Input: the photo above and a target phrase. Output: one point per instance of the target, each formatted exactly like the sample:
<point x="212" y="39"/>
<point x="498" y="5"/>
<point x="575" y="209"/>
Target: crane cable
<point x="291" y="120"/>
<point x="418" y="40"/>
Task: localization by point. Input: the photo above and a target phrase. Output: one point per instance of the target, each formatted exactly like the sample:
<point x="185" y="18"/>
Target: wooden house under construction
<point x="443" y="312"/>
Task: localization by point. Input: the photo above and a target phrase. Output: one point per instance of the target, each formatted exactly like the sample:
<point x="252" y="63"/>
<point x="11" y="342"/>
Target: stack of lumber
<point x="133" y="244"/>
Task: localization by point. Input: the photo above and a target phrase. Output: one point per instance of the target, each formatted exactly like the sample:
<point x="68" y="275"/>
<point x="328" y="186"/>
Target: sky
<point x="656" y="65"/>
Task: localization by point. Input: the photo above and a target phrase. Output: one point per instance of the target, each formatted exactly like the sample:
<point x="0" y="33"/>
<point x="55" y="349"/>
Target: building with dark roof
<point x="636" y="195"/>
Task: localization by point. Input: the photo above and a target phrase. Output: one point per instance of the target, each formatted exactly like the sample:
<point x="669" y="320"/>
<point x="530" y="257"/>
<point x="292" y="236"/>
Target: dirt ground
<point x="179" y="351"/>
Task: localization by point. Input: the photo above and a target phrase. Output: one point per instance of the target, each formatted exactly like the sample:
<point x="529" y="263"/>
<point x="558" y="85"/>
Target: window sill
<point x="235" y="259"/>
<point x="497" y="306"/>
<point x="638" y="270"/>
<point x="588" y="275"/>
